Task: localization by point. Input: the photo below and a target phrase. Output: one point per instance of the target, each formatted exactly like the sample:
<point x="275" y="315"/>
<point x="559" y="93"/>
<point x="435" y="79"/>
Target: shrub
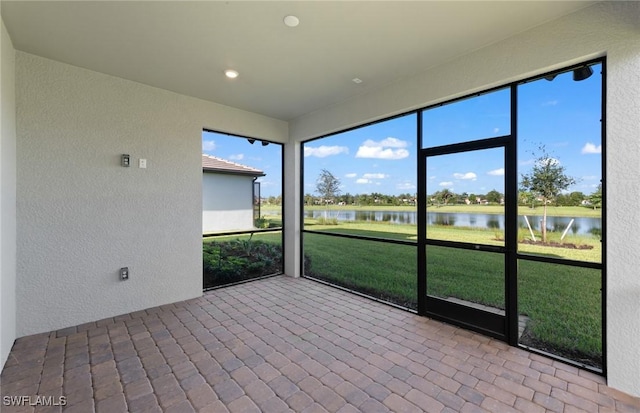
<point x="327" y="221"/>
<point x="239" y="260"/>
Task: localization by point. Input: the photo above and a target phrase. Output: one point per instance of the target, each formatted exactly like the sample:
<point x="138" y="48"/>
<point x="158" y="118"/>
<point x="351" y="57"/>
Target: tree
<point x="446" y="195"/>
<point x="526" y="198"/>
<point x="494" y="196"/>
<point x="308" y="199"/>
<point x="596" y="198"/>
<point x="546" y="180"/>
<point x="576" y="198"/>
<point x="328" y="186"/>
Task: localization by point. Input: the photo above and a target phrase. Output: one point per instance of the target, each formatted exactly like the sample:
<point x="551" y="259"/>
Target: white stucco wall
<point x="7" y="195"/>
<point x="227" y="202"/>
<point x="609" y="28"/>
<point x="81" y="216"/>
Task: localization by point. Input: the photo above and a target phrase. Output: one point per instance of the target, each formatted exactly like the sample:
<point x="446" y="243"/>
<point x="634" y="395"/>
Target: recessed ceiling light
<point x="231" y="74"/>
<point x="356" y="80"/>
<point x="291" y="21"/>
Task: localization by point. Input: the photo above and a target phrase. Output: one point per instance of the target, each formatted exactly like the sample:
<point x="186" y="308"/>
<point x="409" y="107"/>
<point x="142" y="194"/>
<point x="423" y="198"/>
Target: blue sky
<point x="239" y="150"/>
<point x="563" y="115"/>
<point x="379" y="158"/>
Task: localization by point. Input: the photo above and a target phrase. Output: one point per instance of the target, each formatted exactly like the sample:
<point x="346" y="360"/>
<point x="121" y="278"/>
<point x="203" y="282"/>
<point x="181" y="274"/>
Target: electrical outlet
<point x="124" y="273"/>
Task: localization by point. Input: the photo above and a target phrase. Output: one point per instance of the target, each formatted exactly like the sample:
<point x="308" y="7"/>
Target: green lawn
<point x="559" y="211"/>
<point x="382" y="270"/>
<point x="470" y="235"/>
<point x="562" y="211"/>
<point x="275" y="237"/>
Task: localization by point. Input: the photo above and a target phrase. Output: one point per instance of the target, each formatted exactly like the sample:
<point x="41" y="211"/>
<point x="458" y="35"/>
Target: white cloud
<point x="589" y="148"/>
<point x="324" y="151"/>
<point x="351" y="175"/>
<point x="550" y="103"/>
<point x="446" y="183"/>
<point x="404" y="186"/>
<point x="237" y="157"/>
<point x="388" y="148"/>
<point x="362" y="181"/>
<point x="208" y="145"/>
<point x="393" y="142"/>
<point x="496" y="172"/>
<point x="466" y="176"/>
<point x="496" y="130"/>
<point x="380" y="153"/>
<point x="590" y="177"/>
<point x="374" y="176"/>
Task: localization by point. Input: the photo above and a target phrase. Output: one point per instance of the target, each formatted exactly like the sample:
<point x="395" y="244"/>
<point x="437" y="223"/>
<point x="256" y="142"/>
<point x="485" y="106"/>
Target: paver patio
<point x="284" y="344"/>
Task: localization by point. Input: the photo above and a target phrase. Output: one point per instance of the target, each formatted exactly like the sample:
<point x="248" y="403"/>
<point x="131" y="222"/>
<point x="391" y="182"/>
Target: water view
<point x="581" y="225"/>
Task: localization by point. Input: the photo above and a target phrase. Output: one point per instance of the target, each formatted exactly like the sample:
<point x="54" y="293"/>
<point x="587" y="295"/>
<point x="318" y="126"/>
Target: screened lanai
<point x="83" y="84"/>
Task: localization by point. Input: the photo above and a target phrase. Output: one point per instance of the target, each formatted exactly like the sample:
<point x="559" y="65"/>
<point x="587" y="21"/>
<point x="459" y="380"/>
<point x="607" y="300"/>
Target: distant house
<point x="227" y="195"/>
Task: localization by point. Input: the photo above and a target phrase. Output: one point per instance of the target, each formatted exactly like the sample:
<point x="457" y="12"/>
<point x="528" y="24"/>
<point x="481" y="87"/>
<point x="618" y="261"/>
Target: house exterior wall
<point x="81" y="216"/>
<point x="7" y="195"/>
<point x="227" y="202"/>
<point x="607" y="28"/>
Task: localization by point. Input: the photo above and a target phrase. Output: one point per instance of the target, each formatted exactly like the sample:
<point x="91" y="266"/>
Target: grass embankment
<point x="558" y="211"/>
<point x="552" y="211"/>
<point x="382" y="270"/>
<point x="591" y="253"/>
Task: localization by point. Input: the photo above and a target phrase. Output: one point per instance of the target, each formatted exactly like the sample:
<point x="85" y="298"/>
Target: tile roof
<point x="215" y="164"/>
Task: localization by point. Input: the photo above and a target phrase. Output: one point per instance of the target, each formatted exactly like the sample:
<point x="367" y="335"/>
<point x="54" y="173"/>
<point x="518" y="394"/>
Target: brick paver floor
<point x="284" y="344"/>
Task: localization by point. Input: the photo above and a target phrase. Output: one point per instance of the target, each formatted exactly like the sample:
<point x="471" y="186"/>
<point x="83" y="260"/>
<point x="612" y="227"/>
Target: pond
<point x="581" y="225"/>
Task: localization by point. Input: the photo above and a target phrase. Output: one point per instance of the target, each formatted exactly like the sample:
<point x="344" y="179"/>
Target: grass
<point x="469" y="275"/>
<point x="564" y="304"/>
<point x="558" y="211"/>
<point x="364" y="266"/>
<point x="470" y="235"/>
<point x="273" y="237"/>
<point x="370" y="229"/>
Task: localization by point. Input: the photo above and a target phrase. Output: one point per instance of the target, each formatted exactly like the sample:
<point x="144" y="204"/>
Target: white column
<point x="292" y="179"/>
